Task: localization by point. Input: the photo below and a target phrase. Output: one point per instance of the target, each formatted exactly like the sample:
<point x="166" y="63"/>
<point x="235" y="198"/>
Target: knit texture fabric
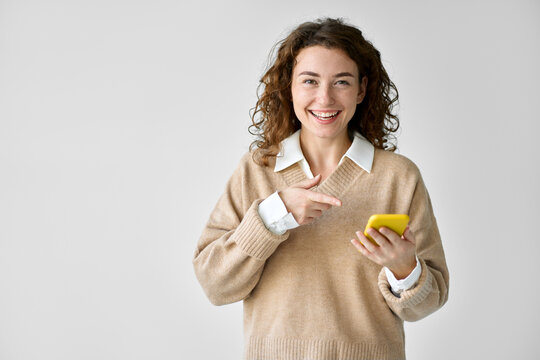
<point x="309" y="294"/>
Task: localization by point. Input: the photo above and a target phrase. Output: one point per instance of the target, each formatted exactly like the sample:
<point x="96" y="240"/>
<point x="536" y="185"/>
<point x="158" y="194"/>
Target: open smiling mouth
<point x="325" y="116"/>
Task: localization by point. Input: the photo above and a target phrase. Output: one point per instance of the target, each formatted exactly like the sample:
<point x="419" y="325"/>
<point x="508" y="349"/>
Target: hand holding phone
<point x="395" y="247"/>
<point x="395" y="222"/>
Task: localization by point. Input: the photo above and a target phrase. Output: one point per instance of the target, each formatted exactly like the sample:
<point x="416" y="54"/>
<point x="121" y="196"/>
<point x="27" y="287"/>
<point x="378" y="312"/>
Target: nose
<point x="325" y="95"/>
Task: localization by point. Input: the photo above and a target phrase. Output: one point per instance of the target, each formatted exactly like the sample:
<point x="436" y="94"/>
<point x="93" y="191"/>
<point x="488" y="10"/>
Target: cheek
<point x="299" y="111"/>
<point x="300" y="100"/>
<point x="352" y="100"/>
<point x="350" y="103"/>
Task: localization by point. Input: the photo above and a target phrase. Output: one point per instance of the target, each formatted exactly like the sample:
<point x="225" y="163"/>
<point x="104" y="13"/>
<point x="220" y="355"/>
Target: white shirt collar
<point x="361" y="152"/>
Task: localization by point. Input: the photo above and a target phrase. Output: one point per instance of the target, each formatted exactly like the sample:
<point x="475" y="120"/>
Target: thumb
<point x="409" y="235"/>
<point x="309" y="183"/>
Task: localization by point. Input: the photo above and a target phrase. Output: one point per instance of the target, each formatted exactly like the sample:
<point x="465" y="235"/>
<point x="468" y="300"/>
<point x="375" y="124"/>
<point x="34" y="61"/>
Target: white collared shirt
<point x="274" y="213"/>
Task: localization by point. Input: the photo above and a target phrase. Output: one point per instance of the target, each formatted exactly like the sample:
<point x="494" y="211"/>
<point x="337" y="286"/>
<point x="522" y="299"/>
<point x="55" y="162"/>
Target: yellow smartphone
<point x="396" y="222"/>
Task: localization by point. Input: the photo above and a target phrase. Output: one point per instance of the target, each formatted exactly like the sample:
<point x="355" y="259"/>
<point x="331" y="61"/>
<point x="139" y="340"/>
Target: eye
<point x="309" y="82"/>
<point x="342" y="82"/>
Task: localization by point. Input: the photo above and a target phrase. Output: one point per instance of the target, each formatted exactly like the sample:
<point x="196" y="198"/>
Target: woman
<point x="279" y="238"/>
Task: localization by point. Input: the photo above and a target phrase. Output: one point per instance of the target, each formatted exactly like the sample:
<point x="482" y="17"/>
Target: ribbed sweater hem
<point x="271" y="348"/>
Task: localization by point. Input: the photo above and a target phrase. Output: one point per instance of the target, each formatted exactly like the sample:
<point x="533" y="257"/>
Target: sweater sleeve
<point x="431" y="291"/>
<point x="234" y="245"/>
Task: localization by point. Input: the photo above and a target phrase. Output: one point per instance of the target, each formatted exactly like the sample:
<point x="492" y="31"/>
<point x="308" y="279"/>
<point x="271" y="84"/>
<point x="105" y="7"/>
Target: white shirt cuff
<point x="399" y="286"/>
<point x="275" y="216"/>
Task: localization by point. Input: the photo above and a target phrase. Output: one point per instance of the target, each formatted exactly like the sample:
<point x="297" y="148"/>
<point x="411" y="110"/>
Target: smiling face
<point x="325" y="91"/>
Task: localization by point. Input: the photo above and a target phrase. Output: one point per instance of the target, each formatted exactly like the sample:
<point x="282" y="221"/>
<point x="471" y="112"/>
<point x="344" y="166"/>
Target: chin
<point x="327" y="133"/>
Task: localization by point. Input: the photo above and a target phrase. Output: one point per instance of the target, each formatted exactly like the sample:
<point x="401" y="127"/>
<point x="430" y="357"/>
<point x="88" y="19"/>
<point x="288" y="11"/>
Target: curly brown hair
<point x="273" y="116"/>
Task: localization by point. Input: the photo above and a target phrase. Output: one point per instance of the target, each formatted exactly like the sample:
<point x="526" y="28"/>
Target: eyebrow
<point x="311" y="73"/>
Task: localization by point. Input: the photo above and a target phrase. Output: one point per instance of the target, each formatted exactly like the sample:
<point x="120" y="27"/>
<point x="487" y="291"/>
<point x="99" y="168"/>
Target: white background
<point x="121" y="121"/>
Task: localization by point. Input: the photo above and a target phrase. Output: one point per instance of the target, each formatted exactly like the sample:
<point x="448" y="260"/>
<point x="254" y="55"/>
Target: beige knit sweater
<point x="309" y="294"/>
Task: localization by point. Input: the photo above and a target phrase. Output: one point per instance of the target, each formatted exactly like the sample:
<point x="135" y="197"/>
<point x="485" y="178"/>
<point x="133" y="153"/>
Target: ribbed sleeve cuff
<point x="254" y="238"/>
<point x="411" y="297"/>
<point x="399" y="286"/>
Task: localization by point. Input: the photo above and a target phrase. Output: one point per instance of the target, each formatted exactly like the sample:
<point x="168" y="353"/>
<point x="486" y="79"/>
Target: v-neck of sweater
<point x="335" y="184"/>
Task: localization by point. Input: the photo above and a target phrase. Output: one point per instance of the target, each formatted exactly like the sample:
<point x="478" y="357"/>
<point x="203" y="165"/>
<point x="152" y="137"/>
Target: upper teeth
<point x="325" y="114"/>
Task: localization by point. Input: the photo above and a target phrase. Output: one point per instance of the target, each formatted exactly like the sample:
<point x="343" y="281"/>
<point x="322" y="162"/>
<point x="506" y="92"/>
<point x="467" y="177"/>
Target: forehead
<point x="322" y="60"/>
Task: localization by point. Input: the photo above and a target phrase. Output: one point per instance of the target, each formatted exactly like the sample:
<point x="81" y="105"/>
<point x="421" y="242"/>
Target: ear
<point x="362" y="90"/>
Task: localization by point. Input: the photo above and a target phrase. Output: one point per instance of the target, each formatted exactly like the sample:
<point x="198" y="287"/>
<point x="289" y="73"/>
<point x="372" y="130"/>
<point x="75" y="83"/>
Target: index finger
<point x="324" y="198"/>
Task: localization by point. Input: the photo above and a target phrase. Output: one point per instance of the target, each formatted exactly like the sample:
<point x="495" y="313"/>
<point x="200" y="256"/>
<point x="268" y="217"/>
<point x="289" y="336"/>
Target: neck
<point x="324" y="154"/>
